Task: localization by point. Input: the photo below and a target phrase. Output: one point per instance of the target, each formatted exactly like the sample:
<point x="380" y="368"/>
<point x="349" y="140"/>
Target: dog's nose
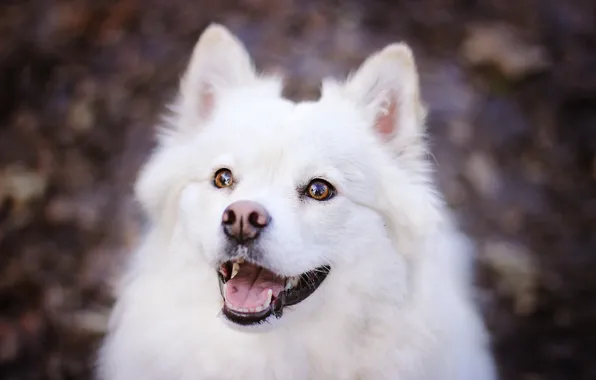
<point x="244" y="220"/>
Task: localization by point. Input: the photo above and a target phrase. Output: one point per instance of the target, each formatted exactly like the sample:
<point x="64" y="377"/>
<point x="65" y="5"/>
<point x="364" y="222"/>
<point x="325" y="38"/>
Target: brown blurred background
<point x="512" y="91"/>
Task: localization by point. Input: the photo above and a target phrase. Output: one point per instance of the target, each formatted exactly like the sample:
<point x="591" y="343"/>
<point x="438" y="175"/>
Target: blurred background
<point x="512" y="92"/>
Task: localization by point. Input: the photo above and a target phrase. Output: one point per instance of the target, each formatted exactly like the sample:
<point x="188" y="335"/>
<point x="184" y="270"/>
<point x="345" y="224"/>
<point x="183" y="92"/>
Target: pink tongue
<point x="250" y="286"/>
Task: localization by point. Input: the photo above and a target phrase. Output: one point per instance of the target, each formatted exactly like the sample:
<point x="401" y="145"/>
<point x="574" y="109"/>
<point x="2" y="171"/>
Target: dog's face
<point x="276" y="196"/>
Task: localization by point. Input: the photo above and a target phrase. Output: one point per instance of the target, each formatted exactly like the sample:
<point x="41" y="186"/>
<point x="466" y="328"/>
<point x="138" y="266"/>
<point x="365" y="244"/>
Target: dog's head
<point x="276" y="196"/>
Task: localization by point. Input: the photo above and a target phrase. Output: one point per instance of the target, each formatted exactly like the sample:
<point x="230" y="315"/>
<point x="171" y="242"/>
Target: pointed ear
<point x="386" y="84"/>
<point x="219" y="61"/>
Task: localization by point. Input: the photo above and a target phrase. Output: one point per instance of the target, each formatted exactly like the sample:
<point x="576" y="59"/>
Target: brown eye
<point x="223" y="178"/>
<point x="320" y="190"/>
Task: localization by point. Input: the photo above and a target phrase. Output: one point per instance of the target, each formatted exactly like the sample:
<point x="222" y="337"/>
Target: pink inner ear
<point x="206" y="102"/>
<point x="387" y="119"/>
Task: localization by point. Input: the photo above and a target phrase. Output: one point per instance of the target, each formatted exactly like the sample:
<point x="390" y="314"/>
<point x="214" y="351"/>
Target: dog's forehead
<point x="303" y="129"/>
<point x="316" y="125"/>
<point x="290" y="139"/>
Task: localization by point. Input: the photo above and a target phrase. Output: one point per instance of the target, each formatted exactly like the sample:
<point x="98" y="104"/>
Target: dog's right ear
<point x="219" y="61"/>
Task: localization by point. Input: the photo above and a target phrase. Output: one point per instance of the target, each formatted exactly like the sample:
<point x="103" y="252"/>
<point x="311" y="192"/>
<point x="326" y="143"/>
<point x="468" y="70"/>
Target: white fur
<point x="397" y="303"/>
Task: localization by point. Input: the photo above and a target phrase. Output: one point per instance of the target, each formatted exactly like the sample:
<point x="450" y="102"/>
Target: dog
<point x="295" y="240"/>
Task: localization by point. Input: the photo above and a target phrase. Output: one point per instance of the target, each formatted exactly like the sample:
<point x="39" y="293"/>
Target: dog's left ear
<point x="386" y="84"/>
<point x="219" y="61"/>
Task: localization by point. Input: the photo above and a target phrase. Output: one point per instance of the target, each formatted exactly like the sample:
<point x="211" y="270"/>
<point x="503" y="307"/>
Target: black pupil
<point x="225" y="178"/>
<point x="318" y="190"/>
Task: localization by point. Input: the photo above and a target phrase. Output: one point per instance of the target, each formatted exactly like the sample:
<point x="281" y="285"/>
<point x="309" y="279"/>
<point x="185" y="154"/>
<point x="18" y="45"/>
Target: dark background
<point x="512" y="92"/>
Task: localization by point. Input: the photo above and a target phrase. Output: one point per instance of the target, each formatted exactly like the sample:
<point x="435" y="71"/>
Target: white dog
<point x="292" y="240"/>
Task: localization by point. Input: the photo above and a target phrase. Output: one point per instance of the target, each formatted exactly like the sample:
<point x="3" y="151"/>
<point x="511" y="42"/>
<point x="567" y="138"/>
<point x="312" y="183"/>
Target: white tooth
<point x="235" y="269"/>
<point x="252" y="309"/>
<point x="292" y="282"/>
<point x="244" y="310"/>
<point x="258" y="309"/>
<point x="269" y="296"/>
<point x="224" y="289"/>
<point x="234" y="307"/>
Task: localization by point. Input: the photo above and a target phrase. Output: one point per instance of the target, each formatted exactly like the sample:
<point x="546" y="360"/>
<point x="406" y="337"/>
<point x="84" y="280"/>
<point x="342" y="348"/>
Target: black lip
<point x="309" y="282"/>
<point x="246" y="319"/>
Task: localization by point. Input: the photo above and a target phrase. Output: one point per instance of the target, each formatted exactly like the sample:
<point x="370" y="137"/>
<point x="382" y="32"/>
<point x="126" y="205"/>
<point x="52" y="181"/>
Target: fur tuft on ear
<point x="219" y="61"/>
<point x="386" y="85"/>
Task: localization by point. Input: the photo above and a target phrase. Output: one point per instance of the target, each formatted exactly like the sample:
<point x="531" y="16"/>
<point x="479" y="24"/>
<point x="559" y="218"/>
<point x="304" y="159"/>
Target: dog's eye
<point x="223" y="178"/>
<point x="320" y="190"/>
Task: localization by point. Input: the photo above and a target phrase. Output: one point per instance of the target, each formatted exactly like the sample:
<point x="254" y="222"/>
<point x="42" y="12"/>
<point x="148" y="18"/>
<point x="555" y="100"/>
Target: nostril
<point x="258" y="220"/>
<point x="229" y="217"/>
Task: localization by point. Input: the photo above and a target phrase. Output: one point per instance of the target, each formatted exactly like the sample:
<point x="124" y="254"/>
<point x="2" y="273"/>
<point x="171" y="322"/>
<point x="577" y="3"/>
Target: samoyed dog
<point x="295" y="240"/>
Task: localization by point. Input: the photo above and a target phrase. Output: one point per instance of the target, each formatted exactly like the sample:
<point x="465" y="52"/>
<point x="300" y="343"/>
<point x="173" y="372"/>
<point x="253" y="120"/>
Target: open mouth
<point x="252" y="293"/>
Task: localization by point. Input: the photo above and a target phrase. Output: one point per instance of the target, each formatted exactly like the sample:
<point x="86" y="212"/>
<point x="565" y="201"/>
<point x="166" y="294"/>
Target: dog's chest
<point x="288" y="358"/>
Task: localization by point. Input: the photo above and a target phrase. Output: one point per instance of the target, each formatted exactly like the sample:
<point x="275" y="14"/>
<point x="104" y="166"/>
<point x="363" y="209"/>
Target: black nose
<point x="244" y="220"/>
